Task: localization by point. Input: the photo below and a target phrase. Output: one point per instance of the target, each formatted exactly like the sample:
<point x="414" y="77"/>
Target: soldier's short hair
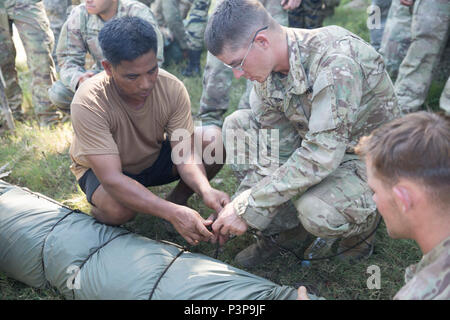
<point x="126" y="39"/>
<point x="233" y="23"/>
<point x="416" y="147"/>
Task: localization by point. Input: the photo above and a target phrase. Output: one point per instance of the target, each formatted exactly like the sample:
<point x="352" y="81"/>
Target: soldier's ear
<point x="262" y="40"/>
<point x="107" y="66"/>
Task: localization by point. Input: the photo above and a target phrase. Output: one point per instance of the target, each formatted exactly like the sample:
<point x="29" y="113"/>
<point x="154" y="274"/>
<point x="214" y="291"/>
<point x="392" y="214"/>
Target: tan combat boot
<point x="352" y="251"/>
<point x="265" y="248"/>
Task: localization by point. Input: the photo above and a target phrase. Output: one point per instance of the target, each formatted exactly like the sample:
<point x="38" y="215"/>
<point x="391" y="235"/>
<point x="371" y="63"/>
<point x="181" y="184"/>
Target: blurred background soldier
<point x="183" y="23"/>
<point x="79" y="38"/>
<point x="33" y="27"/>
<point x="57" y="13"/>
<point x="311" y="13"/>
<point x="428" y="30"/>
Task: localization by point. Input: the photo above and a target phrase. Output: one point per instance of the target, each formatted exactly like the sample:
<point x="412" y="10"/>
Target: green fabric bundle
<point x="44" y="243"/>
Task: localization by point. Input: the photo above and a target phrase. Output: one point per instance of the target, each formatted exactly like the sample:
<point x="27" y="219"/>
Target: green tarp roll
<point x="44" y="243"/>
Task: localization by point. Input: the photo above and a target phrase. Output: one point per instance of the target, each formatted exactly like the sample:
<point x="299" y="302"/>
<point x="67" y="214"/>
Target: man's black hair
<point x="127" y="38"/>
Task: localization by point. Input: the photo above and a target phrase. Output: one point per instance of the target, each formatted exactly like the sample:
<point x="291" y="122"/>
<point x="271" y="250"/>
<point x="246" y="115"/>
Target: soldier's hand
<point x="216" y="199"/>
<point x="190" y="225"/>
<point x="84" y="77"/>
<point x="302" y="294"/>
<point x="407" y="3"/>
<point x="290" y="4"/>
<point x="228" y="223"/>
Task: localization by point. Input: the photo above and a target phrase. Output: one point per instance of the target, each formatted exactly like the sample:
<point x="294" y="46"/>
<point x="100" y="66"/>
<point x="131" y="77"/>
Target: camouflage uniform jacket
<point x="336" y="91"/>
<point x="79" y="36"/>
<point x="430" y="278"/>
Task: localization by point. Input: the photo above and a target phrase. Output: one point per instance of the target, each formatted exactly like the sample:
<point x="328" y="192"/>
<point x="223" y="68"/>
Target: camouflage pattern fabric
<point x="217" y="78"/>
<point x="429" y="33"/>
<point x="376" y="34"/>
<point x="337" y="90"/>
<point x="34" y="29"/>
<point x="444" y="101"/>
<point x="6" y="117"/>
<point x="170" y="15"/>
<point x="311" y="13"/>
<point x="429" y="279"/>
<point x="57" y="13"/>
<point x="79" y="36"/>
<point x="196" y="24"/>
<point x="396" y="36"/>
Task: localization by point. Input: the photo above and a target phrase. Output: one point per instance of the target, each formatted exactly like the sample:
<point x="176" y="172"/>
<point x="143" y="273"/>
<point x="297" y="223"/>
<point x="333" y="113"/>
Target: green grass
<point x="39" y="160"/>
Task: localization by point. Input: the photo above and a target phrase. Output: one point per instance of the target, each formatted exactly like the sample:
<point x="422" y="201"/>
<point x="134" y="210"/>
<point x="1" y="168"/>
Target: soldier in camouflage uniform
<point x="57" y="13"/>
<point x="319" y="91"/>
<point x="188" y="35"/>
<point x="217" y="78"/>
<point x="311" y="13"/>
<point x="407" y="167"/>
<point x="79" y="37"/>
<point x="429" y="27"/>
<point x="33" y="26"/>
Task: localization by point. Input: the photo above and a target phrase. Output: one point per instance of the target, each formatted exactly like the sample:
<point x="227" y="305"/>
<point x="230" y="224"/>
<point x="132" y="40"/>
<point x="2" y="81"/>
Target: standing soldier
<point x="188" y="35"/>
<point x="34" y="29"/>
<point x="320" y="91"/>
<point x="79" y="37"/>
<point x="429" y="25"/>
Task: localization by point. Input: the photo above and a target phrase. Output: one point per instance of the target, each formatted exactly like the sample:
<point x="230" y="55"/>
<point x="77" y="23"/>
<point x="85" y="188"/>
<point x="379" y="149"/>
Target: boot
<point x="363" y="250"/>
<point x="320" y="247"/>
<point x="193" y="67"/>
<point x="265" y="248"/>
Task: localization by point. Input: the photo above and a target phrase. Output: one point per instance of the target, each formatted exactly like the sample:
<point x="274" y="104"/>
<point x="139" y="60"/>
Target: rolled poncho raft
<point x="44" y="243"/>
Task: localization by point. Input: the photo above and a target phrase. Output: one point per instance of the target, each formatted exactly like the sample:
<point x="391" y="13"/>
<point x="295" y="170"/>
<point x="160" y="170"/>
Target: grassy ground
<point x="38" y="159"/>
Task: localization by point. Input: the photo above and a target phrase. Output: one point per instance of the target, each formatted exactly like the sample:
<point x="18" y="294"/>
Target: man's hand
<point x="290" y="4"/>
<point x="228" y="223"/>
<point x="302" y="294"/>
<point x="84" y="77"/>
<point x="407" y="3"/>
<point x="215" y="199"/>
<point x="190" y="225"/>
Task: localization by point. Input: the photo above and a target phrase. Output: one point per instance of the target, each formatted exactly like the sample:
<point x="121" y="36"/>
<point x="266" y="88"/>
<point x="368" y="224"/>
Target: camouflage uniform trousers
<point x="429" y="34"/>
<point x="170" y="15"/>
<point x="340" y="206"/>
<point x="310" y="14"/>
<point x="34" y="29"/>
<point x="217" y="78"/>
<point x="381" y="7"/>
<point x="57" y="13"/>
<point x="444" y="101"/>
<point x="196" y="24"/>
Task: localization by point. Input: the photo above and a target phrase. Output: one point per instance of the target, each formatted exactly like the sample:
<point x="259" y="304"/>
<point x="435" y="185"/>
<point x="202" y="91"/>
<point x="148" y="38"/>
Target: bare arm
<point x="193" y="173"/>
<point x="136" y="197"/>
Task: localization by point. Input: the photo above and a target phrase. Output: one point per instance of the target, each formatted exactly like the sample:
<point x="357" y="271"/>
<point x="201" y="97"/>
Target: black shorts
<point x="159" y="173"/>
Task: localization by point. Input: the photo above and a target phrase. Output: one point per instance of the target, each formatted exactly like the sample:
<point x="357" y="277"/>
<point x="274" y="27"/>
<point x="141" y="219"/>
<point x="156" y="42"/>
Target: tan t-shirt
<point x="104" y="124"/>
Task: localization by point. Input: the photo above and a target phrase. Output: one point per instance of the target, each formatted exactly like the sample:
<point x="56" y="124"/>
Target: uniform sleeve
<point x="337" y="92"/>
<point x="71" y="51"/>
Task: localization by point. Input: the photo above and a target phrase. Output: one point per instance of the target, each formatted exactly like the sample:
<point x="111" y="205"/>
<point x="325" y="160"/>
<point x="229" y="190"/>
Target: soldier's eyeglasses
<point x="241" y="65"/>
